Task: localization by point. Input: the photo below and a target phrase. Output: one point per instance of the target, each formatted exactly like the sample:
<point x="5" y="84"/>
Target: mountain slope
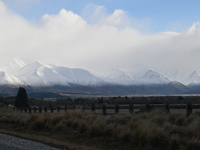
<point x="38" y="74"/>
<point x="137" y="76"/>
<point x="6" y="79"/>
<point x="192" y="79"/>
<point x="14" y="66"/>
<point x="153" y="77"/>
<point x="119" y="77"/>
<point x="79" y="76"/>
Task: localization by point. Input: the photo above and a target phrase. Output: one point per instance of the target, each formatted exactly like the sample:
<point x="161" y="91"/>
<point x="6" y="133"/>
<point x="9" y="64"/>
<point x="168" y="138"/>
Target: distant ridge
<point x="37" y="77"/>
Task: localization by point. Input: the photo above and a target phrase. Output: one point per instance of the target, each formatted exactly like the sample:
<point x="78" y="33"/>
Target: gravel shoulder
<point x="8" y="142"/>
<point x="49" y="139"/>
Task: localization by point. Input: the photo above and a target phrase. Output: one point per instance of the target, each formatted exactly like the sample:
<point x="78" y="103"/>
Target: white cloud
<point x="28" y="0"/>
<point x="93" y="13"/>
<point x="114" y="19"/>
<point x="98" y="15"/>
<point x="67" y="39"/>
<point x="194" y="28"/>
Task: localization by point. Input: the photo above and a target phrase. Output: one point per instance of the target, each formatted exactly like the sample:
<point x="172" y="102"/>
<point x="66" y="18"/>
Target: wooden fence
<point x="142" y="108"/>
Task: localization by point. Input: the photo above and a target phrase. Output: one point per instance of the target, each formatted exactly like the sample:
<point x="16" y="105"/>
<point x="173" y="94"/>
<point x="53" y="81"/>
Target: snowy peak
<point x="39" y="74"/>
<point x="119" y="77"/>
<point x="119" y="74"/>
<point x="30" y="69"/>
<point x="137" y="76"/>
<point x="78" y="76"/>
<point x="14" y="65"/>
<point x="155" y="78"/>
<point x="150" y="74"/>
<point x="194" y="75"/>
<point x="18" y="62"/>
<point x="193" y="78"/>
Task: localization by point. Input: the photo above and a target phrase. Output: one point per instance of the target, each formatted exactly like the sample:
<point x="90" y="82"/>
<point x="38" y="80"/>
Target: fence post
<point x="166" y="107"/>
<point x="93" y="107"/>
<point x="34" y="109"/>
<point x="131" y="110"/>
<point x="148" y="107"/>
<point x="45" y="109"/>
<point x="29" y="110"/>
<point x="83" y="108"/>
<point x="74" y="107"/>
<point x="17" y="109"/>
<point x="21" y="110"/>
<point x="25" y="109"/>
<point x="189" y="109"/>
<point x="51" y="109"/>
<point x="116" y="109"/>
<point x="58" y="109"/>
<point x="104" y="109"/>
<point x="65" y="108"/>
<point x="40" y="109"/>
<point x="13" y="108"/>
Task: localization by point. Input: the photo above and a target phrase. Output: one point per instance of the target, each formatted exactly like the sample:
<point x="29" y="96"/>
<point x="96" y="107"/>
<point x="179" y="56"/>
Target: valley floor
<point x="80" y="130"/>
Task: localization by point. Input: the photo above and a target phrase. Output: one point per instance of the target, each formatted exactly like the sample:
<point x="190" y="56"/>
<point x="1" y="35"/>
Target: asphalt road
<point x="8" y="142"/>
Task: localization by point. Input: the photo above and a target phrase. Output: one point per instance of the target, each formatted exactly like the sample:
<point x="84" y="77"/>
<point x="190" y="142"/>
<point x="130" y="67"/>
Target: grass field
<point x="76" y="129"/>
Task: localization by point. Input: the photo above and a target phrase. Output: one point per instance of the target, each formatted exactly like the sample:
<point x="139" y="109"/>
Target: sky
<point x="95" y="34"/>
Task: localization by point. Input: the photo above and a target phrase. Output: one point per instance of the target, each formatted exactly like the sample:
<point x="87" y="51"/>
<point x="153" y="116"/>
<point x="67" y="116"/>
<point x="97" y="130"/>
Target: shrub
<point x="174" y="142"/>
<point x="60" y="126"/>
<point x="83" y="126"/>
<point x="180" y="120"/>
<point x="192" y="144"/>
<point x="32" y="118"/>
<point x="56" y="118"/>
<point x="97" y="127"/>
<point x="39" y="124"/>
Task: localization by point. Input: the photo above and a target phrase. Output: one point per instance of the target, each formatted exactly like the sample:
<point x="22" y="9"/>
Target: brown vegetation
<point x="152" y="130"/>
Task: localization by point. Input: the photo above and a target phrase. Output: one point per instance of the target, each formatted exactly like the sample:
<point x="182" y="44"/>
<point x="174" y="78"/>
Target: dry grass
<point x="153" y="130"/>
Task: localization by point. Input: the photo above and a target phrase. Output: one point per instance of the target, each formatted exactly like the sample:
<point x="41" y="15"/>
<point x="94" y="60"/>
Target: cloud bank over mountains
<point x="66" y="39"/>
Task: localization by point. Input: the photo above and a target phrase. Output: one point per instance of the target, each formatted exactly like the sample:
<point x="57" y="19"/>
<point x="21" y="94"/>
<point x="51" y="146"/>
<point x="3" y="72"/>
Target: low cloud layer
<point x="67" y="39"/>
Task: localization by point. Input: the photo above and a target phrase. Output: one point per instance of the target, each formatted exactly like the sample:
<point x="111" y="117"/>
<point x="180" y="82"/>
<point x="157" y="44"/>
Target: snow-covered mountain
<point x="153" y="77"/>
<point x="139" y="79"/>
<point x="78" y="76"/>
<point x="192" y="79"/>
<point x="118" y="76"/>
<point x="14" y="66"/>
<point x="177" y="75"/>
<point x="37" y="74"/>
<point x="139" y="75"/>
<point x="6" y="79"/>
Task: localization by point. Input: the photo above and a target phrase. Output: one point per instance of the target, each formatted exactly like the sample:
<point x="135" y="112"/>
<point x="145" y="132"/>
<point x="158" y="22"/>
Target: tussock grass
<point x="192" y="144"/>
<point x="32" y="118"/>
<point x="152" y="130"/>
<point x="38" y="124"/>
<point x="83" y="126"/>
<point x="174" y="142"/>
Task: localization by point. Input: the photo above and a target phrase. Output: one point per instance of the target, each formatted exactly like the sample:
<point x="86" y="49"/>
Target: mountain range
<point x="40" y="77"/>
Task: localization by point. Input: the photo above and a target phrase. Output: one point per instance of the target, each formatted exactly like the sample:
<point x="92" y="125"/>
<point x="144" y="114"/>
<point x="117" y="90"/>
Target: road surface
<point x="8" y="142"/>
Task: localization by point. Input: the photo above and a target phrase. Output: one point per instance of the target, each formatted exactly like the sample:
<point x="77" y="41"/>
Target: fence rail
<point x="142" y="108"/>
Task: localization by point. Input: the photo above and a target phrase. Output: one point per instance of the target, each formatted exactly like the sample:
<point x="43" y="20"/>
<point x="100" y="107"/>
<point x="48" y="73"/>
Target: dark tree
<point x="21" y="99"/>
<point x="100" y="100"/>
<point x="50" y="104"/>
